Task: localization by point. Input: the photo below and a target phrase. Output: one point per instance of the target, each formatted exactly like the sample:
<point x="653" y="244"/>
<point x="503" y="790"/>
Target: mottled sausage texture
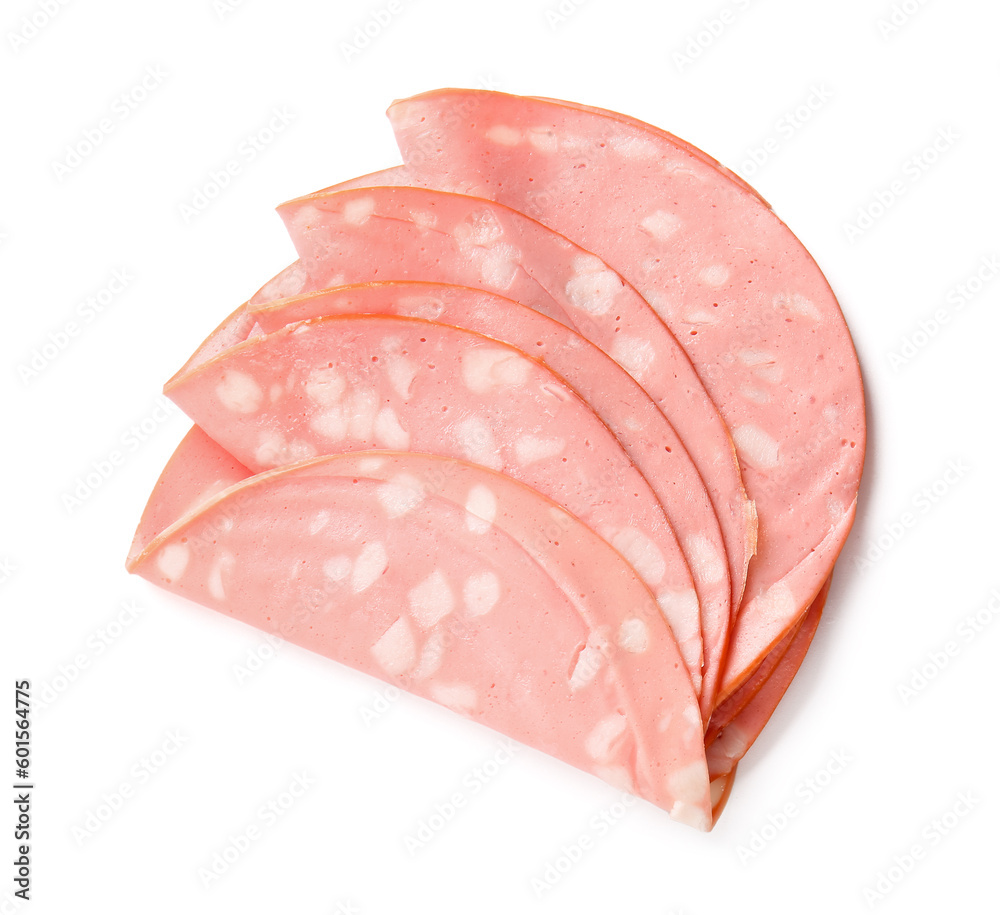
<point x="556" y="425"/>
<point x="429" y="573"/>
<point x="361" y="234"/>
<point x="636" y="422"/>
<point x="356" y="382"/>
<point x="740" y="293"/>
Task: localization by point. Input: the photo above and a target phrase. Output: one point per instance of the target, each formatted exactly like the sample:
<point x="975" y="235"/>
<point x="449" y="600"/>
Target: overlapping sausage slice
<point x="429" y="574"/>
<point x="481" y="441"/>
<point x="738" y="290"/>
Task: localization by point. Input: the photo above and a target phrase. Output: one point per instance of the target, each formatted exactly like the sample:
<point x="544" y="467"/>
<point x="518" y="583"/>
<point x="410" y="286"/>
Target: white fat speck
<point x="485" y="368"/>
<point x="431" y="600"/>
<point x="307" y="216"/>
<point x="689" y="788"/>
<point x="530" y="448"/>
<point x="755" y="357"/>
<point x="763" y="364"/>
<point x="588" y="665"/>
<point x="543" y="139"/>
<point x="358" y="211"/>
<point x="395" y="651"/>
<point x="498" y="265"/>
<point x="481" y="505"/>
<point x="690" y="815"/>
<point x="714" y="275"/>
<point x="796" y="304"/>
<point x="733" y="742"/>
<point x="481" y="593"/>
<point x="830" y="413"/>
<point x="363" y="407"/>
<point x="427" y="307"/>
<point x="369" y="566"/>
<point x="664" y="721"/>
<point x="238" y="392"/>
<point x="600" y="743"/>
<point x="594" y="285"/>
<point x="504" y="135"/>
<point x="275" y="393"/>
<point x="776" y="605"/>
<point x="644" y="555"/>
<point x="634" y="354"/>
<point x="701" y="318"/>
<point x="757" y="395"/>
<point x="338" y="568"/>
<point x="401" y="372"/>
<point x="459" y="697"/>
<point x="661" y="224"/>
<point x="410" y="115"/>
<point x="633" y="635"/>
<point x="331" y="424"/>
<point x="221" y="569"/>
<point x="479" y="229"/>
<point x="389" y="433"/>
<point x="173" y="560"/>
<point x="616" y="776"/>
<point x="476" y="440"/>
<point x="634" y="147"/>
<point x="318" y="522"/>
<point x="681" y="611"/>
<point x="372" y="464"/>
<point x="424" y="219"/>
<point x="325" y="387"/>
<point x="431" y="656"/>
<point x="704" y="559"/>
<point x="274" y="450"/>
<point x="755" y="446"/>
<point x="403" y="493"/>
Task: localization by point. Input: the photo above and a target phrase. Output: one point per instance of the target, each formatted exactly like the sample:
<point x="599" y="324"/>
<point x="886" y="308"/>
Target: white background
<point x="121" y="690"/>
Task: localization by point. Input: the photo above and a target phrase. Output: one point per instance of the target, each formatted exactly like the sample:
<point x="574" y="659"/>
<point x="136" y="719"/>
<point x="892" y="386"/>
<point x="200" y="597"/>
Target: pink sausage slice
<point x="356" y="382"/>
<point x="429" y="574"/>
<point x="643" y="431"/>
<point x="736" y="738"/>
<point x="198" y="469"/>
<point x="363" y="235"/>
<point x="738" y="290"/>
